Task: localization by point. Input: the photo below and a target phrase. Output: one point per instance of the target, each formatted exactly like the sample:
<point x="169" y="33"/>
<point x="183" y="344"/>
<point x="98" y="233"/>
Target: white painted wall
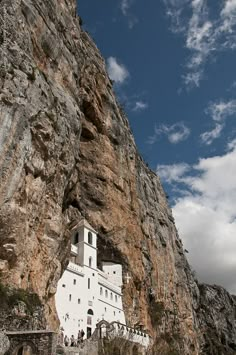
<point x="114" y="272"/>
<point x="108" y="305"/>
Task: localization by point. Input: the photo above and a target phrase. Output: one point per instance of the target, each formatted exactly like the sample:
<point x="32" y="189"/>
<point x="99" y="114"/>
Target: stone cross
<point x="127" y="278"/>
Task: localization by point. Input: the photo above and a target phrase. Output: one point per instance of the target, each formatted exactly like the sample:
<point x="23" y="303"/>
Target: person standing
<point x="72" y="340"/>
<point x="82" y="335"/>
<point x="66" y="340"/>
<point x="79" y="338"/>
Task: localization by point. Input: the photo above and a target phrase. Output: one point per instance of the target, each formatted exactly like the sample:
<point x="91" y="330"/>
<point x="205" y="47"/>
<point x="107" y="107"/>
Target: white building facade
<point x="85" y="294"/>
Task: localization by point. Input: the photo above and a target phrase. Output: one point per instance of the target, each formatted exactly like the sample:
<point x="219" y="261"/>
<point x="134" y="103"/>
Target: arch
<point x="25" y="348"/>
<point x="135" y="350"/>
<point x="90" y="312"/>
<point x="90" y="238"/>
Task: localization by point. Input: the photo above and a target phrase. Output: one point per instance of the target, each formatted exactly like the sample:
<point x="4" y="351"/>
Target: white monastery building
<point x="85" y="294"/>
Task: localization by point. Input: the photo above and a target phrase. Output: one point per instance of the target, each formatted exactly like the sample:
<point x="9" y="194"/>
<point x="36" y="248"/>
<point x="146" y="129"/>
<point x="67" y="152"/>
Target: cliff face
<point x="66" y="151"/>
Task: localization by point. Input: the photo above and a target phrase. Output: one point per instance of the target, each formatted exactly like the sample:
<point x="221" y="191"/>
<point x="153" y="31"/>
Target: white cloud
<point x="175" y="133"/>
<point x="209" y="137"/>
<point x="206" y="215"/>
<point x="116" y="71"/>
<point x="219" y="112"/>
<point x="231" y="145"/>
<point x="205" y="32"/>
<point x="172" y="173"/>
<point x="125" y="5"/>
<point x="140" y="106"/>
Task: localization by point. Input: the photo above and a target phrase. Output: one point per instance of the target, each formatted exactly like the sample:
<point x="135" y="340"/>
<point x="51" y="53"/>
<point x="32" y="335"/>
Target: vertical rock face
<point x="66" y="150"/>
<point x="217" y="320"/>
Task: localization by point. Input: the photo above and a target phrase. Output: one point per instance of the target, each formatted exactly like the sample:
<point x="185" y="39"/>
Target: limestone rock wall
<point x="66" y="151"/>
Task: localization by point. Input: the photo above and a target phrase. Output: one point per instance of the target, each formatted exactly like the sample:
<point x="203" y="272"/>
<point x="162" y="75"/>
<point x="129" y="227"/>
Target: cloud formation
<point x="125" y="6"/>
<point x="116" y="71"/>
<point x="219" y="112"/>
<point x="206" y="32"/>
<point x="205" y="215"/>
<point x="175" y="133"/>
<point x="172" y="173"/>
<point x="140" y="106"/>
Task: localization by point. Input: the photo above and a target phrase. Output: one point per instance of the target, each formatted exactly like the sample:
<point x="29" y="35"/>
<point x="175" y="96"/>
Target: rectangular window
<point x="74" y="282"/>
<point x="79" y="301"/>
<point x="69" y="297"/>
<point x="88" y="283"/>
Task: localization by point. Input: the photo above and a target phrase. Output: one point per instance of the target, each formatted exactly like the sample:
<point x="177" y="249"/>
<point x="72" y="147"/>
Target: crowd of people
<point x="72" y="341"/>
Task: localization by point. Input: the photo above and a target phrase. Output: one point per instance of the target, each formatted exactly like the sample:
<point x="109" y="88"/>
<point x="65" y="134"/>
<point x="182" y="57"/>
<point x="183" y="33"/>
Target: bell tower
<point x="84" y="238"/>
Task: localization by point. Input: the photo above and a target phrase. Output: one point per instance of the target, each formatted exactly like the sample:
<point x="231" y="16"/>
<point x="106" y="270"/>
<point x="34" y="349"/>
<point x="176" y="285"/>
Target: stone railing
<point x="119" y="330"/>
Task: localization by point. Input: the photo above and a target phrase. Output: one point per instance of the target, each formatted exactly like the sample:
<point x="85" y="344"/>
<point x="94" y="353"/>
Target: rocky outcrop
<point x="66" y="151"/>
<point x="217" y="320"/>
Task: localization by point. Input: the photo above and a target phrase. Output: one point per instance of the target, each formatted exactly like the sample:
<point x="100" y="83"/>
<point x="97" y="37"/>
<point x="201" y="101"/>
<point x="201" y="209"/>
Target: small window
<point x="111" y="296"/>
<point x="105" y="309"/>
<point x="90" y="261"/>
<point x="69" y="297"/>
<point x="90" y="238"/>
<point x="116" y="298"/>
<point x="74" y="282"/>
<point x="114" y="313"/>
<point x="88" y="283"/>
<point x="114" y="272"/>
<point x="101" y="291"/>
<point x="106" y="293"/>
<point x="63" y="285"/>
<point x="76" y="238"/>
<point x="79" y="301"/>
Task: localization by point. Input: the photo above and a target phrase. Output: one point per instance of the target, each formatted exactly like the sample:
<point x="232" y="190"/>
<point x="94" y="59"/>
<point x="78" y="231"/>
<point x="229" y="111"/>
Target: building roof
<point x="84" y="223"/>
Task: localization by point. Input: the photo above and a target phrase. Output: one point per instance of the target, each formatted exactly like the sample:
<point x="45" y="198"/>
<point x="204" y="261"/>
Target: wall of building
<point x="114" y="272"/>
<point x="86" y="295"/>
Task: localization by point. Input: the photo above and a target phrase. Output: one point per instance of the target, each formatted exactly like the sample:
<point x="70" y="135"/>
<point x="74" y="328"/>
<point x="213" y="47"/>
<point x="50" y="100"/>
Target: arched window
<point x="106" y="293"/>
<point x="90" y="261"/>
<point x="90" y="311"/>
<point x="116" y="298"/>
<point x="90" y="238"/>
<point x="101" y="291"/>
<point x="111" y="296"/>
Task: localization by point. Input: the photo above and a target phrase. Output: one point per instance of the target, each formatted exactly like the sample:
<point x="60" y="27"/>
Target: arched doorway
<point x="135" y="350"/>
<point x="25" y="350"/>
<point x="89" y="323"/>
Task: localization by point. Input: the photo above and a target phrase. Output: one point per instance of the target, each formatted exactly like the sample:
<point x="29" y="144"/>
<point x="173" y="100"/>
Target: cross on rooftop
<point x="127" y="278"/>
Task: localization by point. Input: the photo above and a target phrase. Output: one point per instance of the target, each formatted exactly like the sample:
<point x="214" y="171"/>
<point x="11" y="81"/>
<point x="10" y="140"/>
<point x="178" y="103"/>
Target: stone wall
<point x="41" y="342"/>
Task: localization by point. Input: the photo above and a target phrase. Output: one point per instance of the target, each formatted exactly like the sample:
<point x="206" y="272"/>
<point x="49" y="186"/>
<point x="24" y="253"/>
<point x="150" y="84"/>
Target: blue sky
<point x="173" y="63"/>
